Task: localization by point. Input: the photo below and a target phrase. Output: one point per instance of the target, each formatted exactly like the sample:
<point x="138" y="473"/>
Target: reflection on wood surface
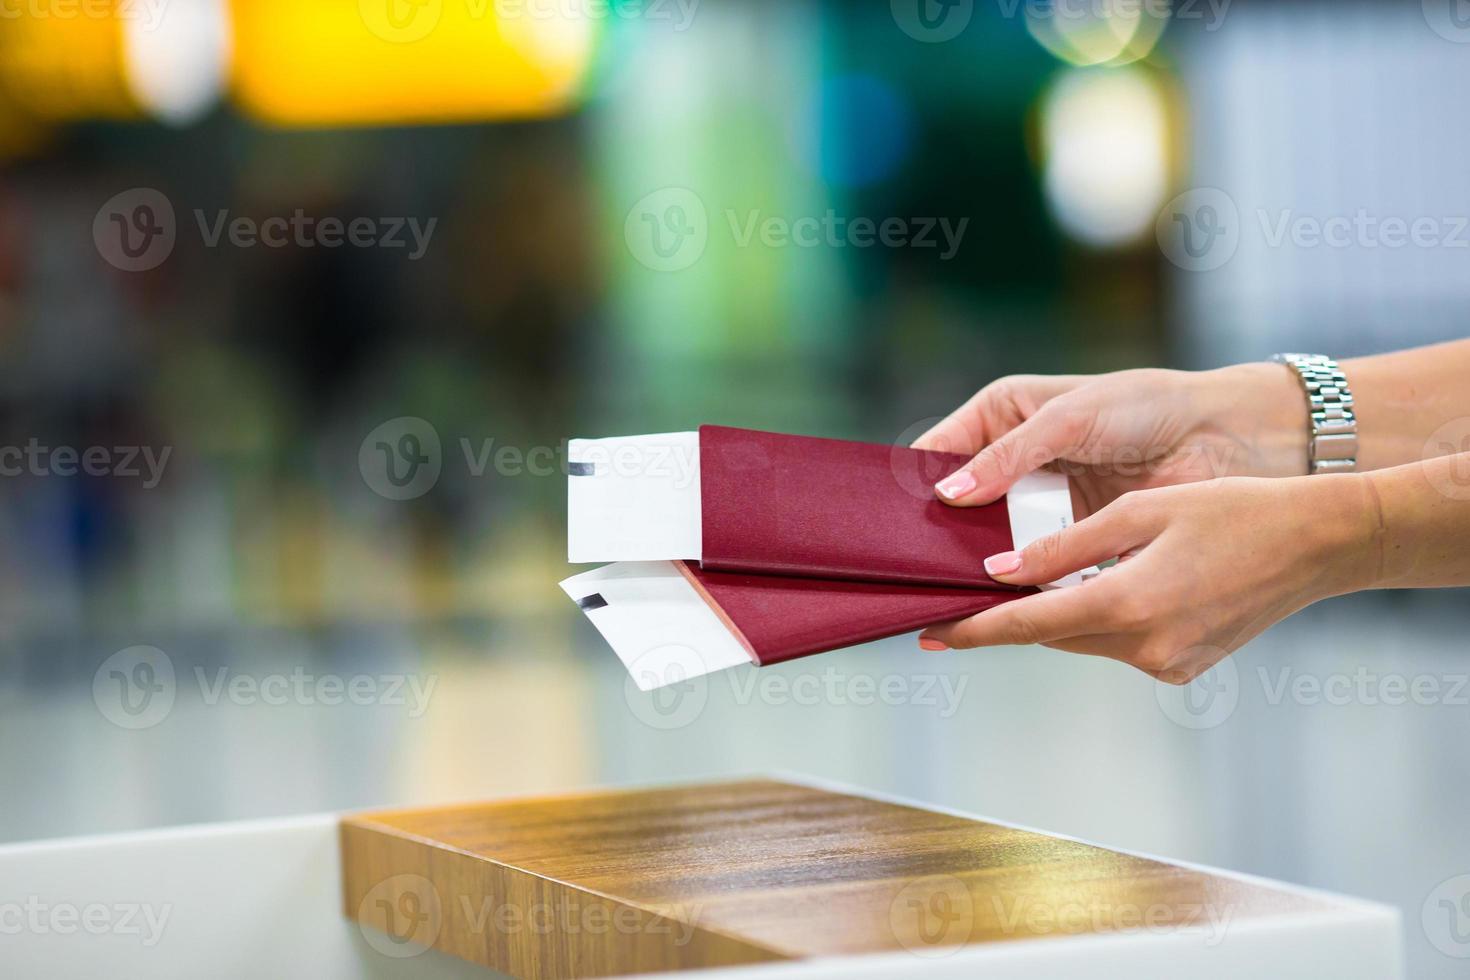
<point x="623" y="881"/>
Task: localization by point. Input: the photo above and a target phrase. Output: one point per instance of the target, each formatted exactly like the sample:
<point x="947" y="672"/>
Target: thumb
<point x="1112" y="531"/>
<point x="1046" y="436"/>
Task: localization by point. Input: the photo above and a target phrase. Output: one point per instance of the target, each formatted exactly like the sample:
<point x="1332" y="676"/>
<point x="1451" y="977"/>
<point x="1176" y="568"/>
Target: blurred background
<point x="300" y="300"/>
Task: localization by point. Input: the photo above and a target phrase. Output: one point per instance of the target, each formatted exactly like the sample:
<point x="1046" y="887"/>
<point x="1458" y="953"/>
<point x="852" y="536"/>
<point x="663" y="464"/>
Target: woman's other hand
<point x="1129" y="430"/>
<point x="1203" y="568"/>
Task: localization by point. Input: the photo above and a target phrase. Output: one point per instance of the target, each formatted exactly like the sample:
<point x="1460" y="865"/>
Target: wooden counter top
<point x="744" y="872"/>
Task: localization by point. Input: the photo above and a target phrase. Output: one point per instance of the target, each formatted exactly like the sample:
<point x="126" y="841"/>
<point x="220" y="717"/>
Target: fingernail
<point x="955" y="485"/>
<point x="1004" y="563"/>
<point x="934" y="646"/>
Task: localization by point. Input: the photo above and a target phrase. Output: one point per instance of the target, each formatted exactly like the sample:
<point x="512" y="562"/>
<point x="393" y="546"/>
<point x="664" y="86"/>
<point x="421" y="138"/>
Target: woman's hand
<point x="1204" y="568"/>
<point x="1129" y="430"/>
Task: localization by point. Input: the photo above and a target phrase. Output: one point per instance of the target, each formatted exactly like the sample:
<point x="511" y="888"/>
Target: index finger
<point x="992" y="412"/>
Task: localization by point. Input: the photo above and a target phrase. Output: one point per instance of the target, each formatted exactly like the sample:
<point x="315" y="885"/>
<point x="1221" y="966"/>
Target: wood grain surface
<point x="629" y="881"/>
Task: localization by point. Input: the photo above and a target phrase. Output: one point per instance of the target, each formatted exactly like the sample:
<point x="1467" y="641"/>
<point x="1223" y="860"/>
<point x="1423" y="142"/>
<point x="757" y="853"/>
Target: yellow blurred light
<point x="63" y="69"/>
<point x="1105" y="140"/>
<point x="1098" y="32"/>
<point x="63" y="60"/>
<point x="366" y="62"/>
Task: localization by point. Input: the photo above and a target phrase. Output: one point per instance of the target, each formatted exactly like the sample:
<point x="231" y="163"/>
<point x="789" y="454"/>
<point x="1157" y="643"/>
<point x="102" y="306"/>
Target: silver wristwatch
<point x="1332" y="445"/>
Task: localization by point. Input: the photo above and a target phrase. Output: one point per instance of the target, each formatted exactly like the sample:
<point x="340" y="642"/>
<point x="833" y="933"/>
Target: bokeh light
<point x="1098" y="32"/>
<point x="1105" y="141"/>
<point x="177" y="64"/>
<point x="339" y="62"/>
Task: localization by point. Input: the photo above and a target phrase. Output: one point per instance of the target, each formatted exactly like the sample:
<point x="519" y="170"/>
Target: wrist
<point x="1342" y="516"/>
<point x="1261" y="407"/>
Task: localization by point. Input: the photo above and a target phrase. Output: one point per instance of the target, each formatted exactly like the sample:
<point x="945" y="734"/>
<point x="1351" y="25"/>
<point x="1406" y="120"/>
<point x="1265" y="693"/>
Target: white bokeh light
<point x="1105" y="145"/>
<point x="177" y="59"/>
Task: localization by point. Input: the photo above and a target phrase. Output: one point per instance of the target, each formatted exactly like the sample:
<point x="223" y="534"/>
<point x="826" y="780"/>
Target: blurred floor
<point x="1300" y="767"/>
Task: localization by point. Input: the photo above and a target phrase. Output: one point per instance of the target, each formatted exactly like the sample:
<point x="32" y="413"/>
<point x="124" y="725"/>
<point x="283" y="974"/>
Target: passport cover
<point x="828" y="508"/>
<point x="670" y="621"/>
<point x="778" y="618"/>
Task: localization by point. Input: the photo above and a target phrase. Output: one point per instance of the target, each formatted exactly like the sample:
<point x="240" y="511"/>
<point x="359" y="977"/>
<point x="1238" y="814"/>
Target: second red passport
<point x="778" y="618"/>
<point x="827" y="508"/>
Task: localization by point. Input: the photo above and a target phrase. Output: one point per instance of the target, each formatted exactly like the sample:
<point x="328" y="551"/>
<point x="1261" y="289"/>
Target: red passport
<point x="669" y="621"/>
<point x="827" y="508"/>
<point x="734" y="546"/>
<point x="777" y="618"/>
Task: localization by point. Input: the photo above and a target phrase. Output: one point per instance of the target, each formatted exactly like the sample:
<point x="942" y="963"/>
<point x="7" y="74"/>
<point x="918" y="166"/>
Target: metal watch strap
<point x="1332" y="446"/>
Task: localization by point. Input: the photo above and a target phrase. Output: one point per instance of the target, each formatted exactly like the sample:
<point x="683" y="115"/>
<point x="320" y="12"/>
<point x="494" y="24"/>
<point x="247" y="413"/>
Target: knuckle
<point x="1011" y="385"/>
<point x="1002" y="456"/>
<point x="1023" y="630"/>
<point x="959" y="636"/>
<point x="983" y="461"/>
<point x="1071" y="418"/>
<point x="1000" y="388"/>
<point x="1048" y="551"/>
<point x="1002" y="393"/>
<point x="1127" y="503"/>
<point x="1132" y="611"/>
<point x="1161" y="657"/>
<point x="1131" y="507"/>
